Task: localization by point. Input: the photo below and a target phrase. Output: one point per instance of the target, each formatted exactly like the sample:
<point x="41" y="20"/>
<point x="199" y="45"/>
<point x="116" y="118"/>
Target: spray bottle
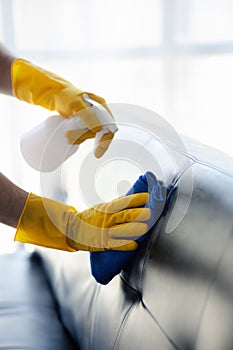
<point x="45" y="147"/>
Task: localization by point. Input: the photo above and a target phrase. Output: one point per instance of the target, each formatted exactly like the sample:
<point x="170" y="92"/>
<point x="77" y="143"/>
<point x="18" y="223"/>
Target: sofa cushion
<point x="28" y="312"/>
<point x="98" y="315"/>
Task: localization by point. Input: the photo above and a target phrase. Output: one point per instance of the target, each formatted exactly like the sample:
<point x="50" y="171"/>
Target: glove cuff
<point x="38" y="86"/>
<point x="43" y="222"/>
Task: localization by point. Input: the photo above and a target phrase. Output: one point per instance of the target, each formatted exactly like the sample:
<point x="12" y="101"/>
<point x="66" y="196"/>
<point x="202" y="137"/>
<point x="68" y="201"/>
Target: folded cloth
<point x="105" y="265"/>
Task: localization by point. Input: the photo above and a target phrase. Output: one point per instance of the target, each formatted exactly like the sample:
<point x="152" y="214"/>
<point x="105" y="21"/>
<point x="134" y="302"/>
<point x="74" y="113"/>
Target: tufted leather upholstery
<point x="178" y="292"/>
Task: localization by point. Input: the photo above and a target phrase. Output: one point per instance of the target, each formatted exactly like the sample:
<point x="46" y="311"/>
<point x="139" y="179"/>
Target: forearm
<point x="6" y="59"/>
<point x="12" y="201"/>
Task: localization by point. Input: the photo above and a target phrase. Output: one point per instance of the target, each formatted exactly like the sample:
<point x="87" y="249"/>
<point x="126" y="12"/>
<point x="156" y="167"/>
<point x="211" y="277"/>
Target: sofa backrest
<point x="178" y="291"/>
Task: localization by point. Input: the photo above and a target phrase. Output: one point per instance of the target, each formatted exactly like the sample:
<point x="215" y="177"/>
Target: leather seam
<point x="122" y="324"/>
<point x="160" y="327"/>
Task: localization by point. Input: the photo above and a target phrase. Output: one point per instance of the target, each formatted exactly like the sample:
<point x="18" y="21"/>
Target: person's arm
<point x="6" y="60"/>
<point x="33" y="84"/>
<point x="12" y="201"/>
<point x="49" y="223"/>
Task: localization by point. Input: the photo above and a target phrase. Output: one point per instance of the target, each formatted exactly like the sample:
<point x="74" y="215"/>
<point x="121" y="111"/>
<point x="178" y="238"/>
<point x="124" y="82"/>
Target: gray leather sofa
<point x="176" y="294"/>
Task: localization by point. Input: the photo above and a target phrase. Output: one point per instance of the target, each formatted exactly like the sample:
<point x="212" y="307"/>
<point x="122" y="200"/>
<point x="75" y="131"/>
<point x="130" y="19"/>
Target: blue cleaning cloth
<point x="107" y="264"/>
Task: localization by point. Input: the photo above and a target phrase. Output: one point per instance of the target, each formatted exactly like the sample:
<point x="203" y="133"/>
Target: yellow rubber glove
<point x="40" y="87"/>
<point x="114" y="225"/>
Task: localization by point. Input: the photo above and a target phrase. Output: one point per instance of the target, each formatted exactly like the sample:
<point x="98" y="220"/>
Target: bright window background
<point x="174" y="57"/>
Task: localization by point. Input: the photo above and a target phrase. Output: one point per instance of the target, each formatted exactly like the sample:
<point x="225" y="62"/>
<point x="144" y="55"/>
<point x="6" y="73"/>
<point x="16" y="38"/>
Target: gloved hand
<point x="106" y="265"/>
<point x="41" y="87"/>
<point x="114" y="225"/>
